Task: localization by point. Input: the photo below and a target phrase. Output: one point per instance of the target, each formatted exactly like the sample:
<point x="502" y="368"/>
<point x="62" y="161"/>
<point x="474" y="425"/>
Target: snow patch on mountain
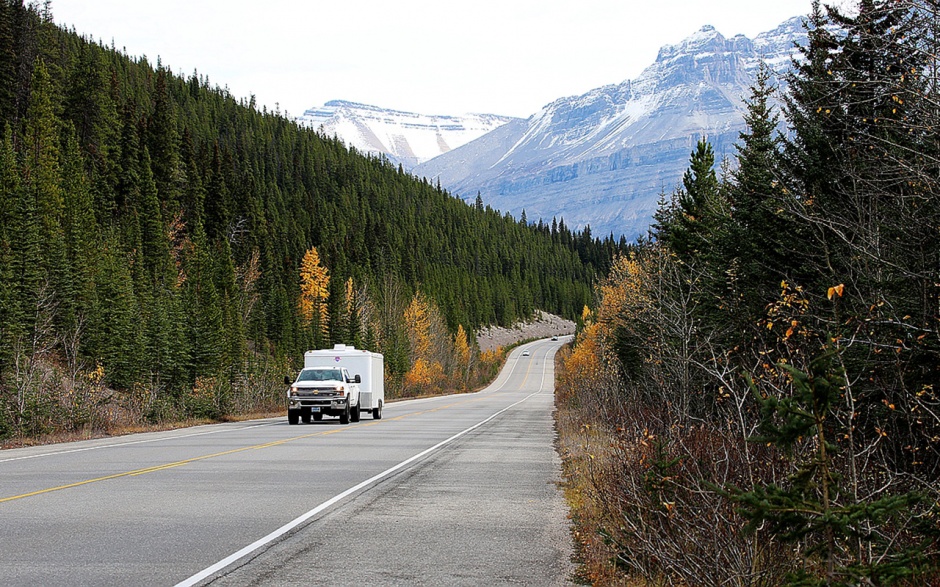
<point x="404" y="137"/>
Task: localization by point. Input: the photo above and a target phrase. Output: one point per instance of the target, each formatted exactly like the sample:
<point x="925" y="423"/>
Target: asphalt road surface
<point x="457" y="490"/>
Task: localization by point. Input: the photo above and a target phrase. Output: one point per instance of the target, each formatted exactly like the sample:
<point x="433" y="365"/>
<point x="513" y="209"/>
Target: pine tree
<point x="127" y="188"/>
<point x="8" y="61"/>
<point x="216" y="199"/>
<point x="19" y="252"/>
<point x="163" y="142"/>
<point x="205" y="312"/>
<point x="119" y="340"/>
<point x="42" y="182"/>
<point x="758" y="239"/>
<point x="686" y="230"/>
<point x="156" y="255"/>
<point x="862" y="174"/>
<point x="841" y="536"/>
<point x="81" y="233"/>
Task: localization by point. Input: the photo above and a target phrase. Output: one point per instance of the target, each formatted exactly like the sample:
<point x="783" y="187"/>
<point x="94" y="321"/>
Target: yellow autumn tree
<point x="418" y="323"/>
<point x="350" y="308"/>
<point x="424" y="374"/>
<point x="352" y="311"/>
<point x="586" y="316"/>
<point x="431" y="349"/>
<point x="464" y="353"/>
<point x="623" y="293"/>
<point x="314" y="291"/>
<point x="585" y="361"/>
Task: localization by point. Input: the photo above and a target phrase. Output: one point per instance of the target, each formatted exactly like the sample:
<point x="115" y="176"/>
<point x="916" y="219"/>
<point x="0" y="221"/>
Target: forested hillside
<point x="152" y="229"/>
<point x="756" y="400"/>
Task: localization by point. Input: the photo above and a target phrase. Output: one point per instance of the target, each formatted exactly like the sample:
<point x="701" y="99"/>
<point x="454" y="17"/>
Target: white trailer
<point x="369" y="366"/>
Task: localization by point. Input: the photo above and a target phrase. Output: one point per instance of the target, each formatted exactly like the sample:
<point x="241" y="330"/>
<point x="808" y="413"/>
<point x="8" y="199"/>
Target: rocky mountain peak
<point x="603" y="158"/>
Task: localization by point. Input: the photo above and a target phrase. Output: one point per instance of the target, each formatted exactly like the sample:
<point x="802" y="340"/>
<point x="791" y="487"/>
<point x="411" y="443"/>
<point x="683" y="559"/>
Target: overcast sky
<point x="507" y="57"/>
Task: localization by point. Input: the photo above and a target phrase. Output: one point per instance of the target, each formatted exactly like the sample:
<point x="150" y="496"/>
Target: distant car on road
<point x="525" y="353"/>
<point x="554" y="338"/>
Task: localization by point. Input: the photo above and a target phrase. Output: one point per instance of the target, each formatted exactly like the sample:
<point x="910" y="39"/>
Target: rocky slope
<point x="543" y="325"/>
<point x="605" y="157"/>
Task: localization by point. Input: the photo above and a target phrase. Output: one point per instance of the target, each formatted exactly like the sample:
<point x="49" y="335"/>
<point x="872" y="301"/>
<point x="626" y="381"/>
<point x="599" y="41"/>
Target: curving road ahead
<point x="456" y="490"/>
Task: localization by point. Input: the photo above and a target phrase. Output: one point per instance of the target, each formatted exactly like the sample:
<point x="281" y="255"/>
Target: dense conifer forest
<point x="153" y="228"/>
<point x="756" y="398"/>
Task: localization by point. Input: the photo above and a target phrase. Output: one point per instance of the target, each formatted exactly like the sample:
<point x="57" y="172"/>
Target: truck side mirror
<point x="287" y="380"/>
<point x="358" y="379"/>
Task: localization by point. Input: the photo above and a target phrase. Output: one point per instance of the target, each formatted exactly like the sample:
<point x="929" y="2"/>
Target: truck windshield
<point x="320" y="375"/>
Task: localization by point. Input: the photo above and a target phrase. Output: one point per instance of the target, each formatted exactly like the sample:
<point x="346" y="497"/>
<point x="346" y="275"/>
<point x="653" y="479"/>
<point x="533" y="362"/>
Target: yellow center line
<point x="162" y="467"/>
<point x="173" y="465"/>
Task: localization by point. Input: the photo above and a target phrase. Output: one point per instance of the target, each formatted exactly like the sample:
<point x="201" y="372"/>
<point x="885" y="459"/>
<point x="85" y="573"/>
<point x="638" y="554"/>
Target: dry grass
<point x="588" y="454"/>
<point x="642" y="514"/>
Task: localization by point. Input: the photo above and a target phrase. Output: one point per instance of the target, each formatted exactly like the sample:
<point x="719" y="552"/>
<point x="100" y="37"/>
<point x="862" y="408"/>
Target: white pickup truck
<point x="342" y="381"/>
<point x="323" y="390"/>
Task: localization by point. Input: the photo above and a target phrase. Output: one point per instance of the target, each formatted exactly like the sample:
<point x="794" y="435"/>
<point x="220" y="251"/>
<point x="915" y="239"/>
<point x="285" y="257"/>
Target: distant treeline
<point x="152" y="229"/>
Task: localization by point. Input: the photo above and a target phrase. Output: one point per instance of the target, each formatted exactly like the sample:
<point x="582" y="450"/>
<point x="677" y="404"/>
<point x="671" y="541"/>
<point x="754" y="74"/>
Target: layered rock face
<point x="604" y="158"/>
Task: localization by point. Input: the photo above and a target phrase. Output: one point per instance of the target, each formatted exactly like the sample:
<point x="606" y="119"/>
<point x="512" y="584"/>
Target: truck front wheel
<point x="354" y="413"/>
<point x="344" y="416"/>
<point x="293" y="416"/>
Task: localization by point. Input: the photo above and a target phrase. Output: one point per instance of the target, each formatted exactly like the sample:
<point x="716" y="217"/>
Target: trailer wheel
<point x="305" y="417"/>
<point x="293" y="416"/>
<point x="317" y="417"/>
<point x="344" y="416"/>
<point x="377" y="412"/>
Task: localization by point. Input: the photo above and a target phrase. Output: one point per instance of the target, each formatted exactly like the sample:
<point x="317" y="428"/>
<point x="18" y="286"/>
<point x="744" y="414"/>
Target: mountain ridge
<point x="604" y="158"/>
<point x="408" y="138"/>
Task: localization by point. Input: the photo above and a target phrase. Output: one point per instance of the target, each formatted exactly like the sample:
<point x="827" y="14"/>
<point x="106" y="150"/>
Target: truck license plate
<point x="315" y="409"/>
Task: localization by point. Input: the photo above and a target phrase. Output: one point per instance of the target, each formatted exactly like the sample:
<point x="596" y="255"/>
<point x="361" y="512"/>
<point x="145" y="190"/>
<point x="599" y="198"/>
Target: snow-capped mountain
<point x="605" y="157"/>
<point x="404" y="137"/>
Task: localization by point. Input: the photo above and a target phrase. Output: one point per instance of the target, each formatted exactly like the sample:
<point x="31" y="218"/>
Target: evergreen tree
<point x="163" y="142"/>
<point x="42" y="184"/>
<point x="216" y="201"/>
<point x="8" y="61"/>
<point x="18" y="255"/>
<point x="686" y="224"/>
<point x="156" y="253"/>
<point x="759" y="237"/>
<point x="843" y="538"/>
<point x="81" y="233"/>
<point x="204" y="311"/>
<point x="119" y="340"/>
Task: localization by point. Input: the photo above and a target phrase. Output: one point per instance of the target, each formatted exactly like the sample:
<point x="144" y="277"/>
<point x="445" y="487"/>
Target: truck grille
<point x="315" y="393"/>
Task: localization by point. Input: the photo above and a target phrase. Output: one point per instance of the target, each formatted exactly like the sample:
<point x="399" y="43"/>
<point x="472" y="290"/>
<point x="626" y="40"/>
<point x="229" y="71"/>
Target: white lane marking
<point x="129" y="443"/>
<point x="258" y="544"/>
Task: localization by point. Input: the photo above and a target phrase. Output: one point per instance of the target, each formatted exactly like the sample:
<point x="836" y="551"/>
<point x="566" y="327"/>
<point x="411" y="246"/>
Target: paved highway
<point x="457" y="490"/>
